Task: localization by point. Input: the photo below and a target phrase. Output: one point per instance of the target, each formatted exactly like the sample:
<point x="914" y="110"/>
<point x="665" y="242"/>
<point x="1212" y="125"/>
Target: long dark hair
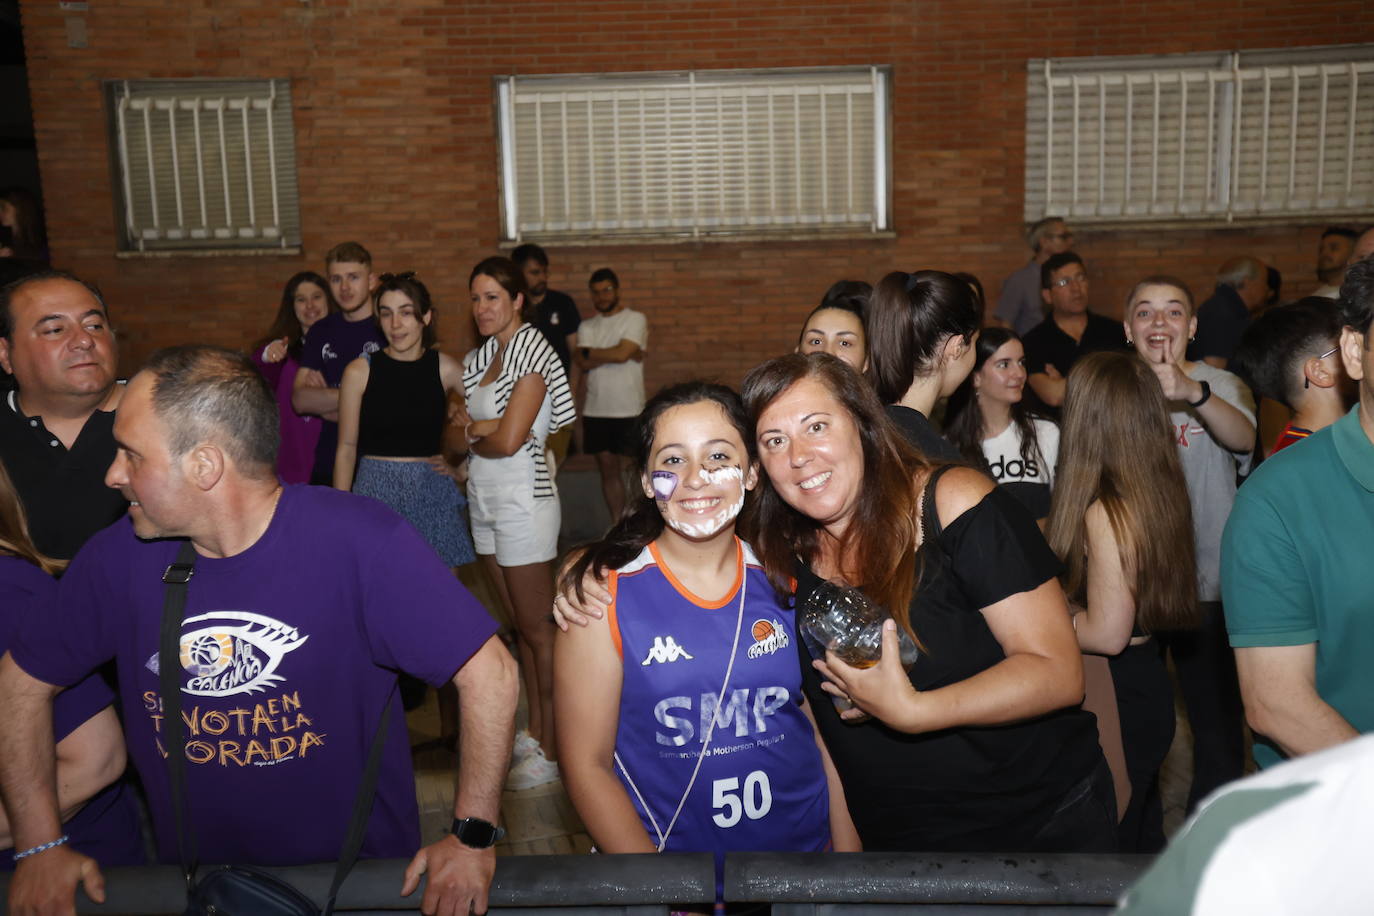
<point x="964" y="419"/>
<point x="641" y="523"/>
<point x="910" y="316"/>
<point x="878" y="549"/>
<point x="286" y="324"/>
<point x="14" y="529"/>
<point x="1118" y="448"/>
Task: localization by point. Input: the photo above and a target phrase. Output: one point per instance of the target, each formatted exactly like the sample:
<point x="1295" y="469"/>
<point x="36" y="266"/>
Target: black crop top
<point x="404" y="407"/>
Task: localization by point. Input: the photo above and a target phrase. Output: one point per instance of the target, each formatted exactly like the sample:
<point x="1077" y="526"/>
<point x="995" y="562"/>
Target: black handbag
<point x="237" y="890"/>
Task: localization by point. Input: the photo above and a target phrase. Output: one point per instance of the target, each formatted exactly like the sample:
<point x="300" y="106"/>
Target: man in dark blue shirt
<point x="556" y="316"/>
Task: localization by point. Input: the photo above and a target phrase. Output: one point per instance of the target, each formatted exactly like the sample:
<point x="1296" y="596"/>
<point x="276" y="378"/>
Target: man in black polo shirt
<point x="1054" y="345"/>
<point x="556" y="316"/>
<point x="57" y="425"/>
<point x="1242" y="289"/>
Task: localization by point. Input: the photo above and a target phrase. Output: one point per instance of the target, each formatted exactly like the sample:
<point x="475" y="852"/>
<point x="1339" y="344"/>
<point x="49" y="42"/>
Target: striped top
<point x="528" y="352"/>
<point x="1290" y="435"/>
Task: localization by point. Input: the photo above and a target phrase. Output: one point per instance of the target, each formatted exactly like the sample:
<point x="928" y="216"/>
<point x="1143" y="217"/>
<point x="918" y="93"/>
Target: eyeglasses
<point x="1076" y="280"/>
<point x="1307" y="382"/>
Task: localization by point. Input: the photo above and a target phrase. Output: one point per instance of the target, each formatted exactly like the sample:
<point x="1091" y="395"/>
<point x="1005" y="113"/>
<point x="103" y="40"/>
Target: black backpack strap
<point x="362" y="805"/>
<point x="176" y="578"/>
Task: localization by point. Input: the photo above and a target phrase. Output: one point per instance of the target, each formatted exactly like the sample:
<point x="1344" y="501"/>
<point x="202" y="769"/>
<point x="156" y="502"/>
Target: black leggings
<point x="1211" y="693"/>
<point x="1145" y="703"/>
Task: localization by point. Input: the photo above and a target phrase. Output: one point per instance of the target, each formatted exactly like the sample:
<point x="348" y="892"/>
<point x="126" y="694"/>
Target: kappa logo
<point x="665" y="649"/>
<point x="769" y="637"/>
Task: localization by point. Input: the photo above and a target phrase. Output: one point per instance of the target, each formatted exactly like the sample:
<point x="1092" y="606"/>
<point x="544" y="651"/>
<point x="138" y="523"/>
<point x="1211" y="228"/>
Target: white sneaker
<point x="534" y="770"/>
<point x="524" y="745"/>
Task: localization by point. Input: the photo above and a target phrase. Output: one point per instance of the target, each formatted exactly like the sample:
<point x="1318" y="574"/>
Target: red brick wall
<point x="395" y="141"/>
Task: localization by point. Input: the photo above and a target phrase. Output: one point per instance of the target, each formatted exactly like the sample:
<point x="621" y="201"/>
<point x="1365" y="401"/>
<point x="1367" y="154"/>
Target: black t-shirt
<point x="63" y="491"/>
<point x="1221" y="320"/>
<point x="965" y="789"/>
<point x="557" y="317"/>
<point x="921" y="433"/>
<point x="1047" y="344"/>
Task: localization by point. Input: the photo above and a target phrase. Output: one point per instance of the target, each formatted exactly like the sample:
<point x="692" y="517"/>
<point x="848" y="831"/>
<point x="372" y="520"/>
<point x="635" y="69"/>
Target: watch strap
<point x="477" y="833"/>
<point x="1206" y="394"/>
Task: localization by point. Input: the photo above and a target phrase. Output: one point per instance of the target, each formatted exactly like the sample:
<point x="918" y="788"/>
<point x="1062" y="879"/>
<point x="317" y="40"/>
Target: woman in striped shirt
<point x="517" y="394"/>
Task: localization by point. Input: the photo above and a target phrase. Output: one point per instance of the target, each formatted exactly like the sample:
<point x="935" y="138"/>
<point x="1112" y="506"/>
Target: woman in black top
<point x="393" y="408"/>
<point x="920" y="347"/>
<point x="983" y="746"/>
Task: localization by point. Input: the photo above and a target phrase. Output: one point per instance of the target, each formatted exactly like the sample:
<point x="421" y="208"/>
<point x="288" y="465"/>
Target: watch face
<point x="476" y="832"/>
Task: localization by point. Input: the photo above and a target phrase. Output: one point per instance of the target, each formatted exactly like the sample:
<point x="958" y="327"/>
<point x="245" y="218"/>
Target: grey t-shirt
<point x="1211" y="470"/>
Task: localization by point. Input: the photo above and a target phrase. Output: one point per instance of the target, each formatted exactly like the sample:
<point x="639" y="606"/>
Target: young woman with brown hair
<point x="517" y="394"/>
<point x="920" y="329"/>
<point x="989" y="423"/>
<point x="963" y="568"/>
<point x="1121" y="526"/>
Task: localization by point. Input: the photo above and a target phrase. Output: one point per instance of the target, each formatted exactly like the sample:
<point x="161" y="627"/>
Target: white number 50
<point x="757" y="799"/>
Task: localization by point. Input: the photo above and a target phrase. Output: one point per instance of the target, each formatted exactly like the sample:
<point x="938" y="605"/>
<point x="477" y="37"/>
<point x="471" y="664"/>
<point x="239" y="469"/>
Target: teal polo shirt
<point x="1297" y="565"/>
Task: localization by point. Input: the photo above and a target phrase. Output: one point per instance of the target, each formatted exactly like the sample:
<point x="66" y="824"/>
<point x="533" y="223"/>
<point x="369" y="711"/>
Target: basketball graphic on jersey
<point x="769" y="637"/>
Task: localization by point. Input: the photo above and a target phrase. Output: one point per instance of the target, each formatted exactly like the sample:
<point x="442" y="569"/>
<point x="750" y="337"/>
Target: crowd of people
<point x="1046" y="507"/>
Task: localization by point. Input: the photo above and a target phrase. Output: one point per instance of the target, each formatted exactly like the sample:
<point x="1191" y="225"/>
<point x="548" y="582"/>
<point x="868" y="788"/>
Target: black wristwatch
<point x="1206" y="393"/>
<point x="477" y="833"/>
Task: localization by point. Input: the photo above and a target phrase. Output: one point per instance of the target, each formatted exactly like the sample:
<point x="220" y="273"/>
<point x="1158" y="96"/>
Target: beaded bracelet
<point x="44" y="848"/>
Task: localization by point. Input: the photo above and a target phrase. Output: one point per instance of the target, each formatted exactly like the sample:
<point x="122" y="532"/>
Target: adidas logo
<point x="665" y="649"/>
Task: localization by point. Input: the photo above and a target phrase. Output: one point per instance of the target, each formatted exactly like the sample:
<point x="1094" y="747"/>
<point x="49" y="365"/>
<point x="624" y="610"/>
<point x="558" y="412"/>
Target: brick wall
<point x="395" y="141"/>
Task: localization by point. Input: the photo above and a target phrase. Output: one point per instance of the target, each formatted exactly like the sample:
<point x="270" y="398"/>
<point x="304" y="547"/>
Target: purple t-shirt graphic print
<point x="288" y="651"/>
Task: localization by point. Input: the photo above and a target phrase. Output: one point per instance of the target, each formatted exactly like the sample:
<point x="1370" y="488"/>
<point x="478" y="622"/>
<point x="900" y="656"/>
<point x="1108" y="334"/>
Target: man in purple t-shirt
<point x="332" y="343"/>
<point x="304" y="604"/>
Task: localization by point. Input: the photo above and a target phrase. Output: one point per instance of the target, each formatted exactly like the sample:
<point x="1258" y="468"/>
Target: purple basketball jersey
<point x="761" y="784"/>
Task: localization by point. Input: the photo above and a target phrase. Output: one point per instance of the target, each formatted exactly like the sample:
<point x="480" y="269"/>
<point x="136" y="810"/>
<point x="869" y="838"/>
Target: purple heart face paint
<point x="664" y="483"/>
<point x="696" y="475"/>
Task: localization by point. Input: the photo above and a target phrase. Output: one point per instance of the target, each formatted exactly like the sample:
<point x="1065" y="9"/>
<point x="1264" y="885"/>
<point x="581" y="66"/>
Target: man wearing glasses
<point x="1295" y="568"/>
<point x="1020" y="306"/>
<point x="1055" y="344"/>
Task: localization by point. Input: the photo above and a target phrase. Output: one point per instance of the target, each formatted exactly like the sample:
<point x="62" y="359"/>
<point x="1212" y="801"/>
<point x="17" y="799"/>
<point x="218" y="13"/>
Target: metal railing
<point x="203" y="165"/>
<point x="796" y="884"/>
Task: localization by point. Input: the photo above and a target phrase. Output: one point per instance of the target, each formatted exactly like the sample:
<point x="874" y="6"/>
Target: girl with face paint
<point x="680" y="718"/>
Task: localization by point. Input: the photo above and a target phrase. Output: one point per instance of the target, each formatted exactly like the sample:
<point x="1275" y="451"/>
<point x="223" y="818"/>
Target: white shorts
<point x="509" y="522"/>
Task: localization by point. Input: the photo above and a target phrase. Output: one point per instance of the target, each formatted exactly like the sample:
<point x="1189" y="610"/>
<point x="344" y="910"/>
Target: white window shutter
<point x="693" y="154"/>
<point x="1202" y="136"/>
<point x="204" y="165"/>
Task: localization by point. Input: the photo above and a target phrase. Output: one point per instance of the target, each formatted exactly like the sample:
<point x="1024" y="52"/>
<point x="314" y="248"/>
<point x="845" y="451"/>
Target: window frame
<point x="123" y="97"/>
<point x="1227" y="168"/>
<point x="511" y="233"/>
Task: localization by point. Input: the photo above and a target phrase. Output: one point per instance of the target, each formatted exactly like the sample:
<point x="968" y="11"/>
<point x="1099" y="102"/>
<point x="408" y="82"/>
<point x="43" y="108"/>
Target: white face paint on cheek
<point x="710" y="526"/>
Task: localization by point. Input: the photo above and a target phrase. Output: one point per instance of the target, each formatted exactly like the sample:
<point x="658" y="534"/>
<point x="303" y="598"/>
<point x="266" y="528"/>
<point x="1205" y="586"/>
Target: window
<point x="1210" y="137"/>
<point x="693" y="155"/>
<point x="204" y="165"/>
